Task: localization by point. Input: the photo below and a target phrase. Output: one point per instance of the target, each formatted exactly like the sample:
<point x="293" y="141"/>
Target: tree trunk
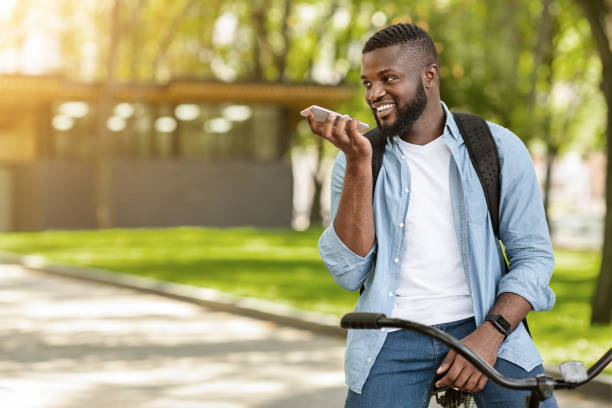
<point x="598" y="12"/>
<point x="602" y="301"/>
<point x="315" y="210"/>
<point x="551" y="154"/>
<point x="169" y="36"/>
<point x="281" y="59"/>
<point x="135" y="27"/>
<point x="102" y="158"/>
<point x="260" y="44"/>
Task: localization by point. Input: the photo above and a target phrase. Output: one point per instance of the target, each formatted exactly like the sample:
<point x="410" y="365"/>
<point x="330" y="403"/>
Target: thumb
<point x="447" y="362"/>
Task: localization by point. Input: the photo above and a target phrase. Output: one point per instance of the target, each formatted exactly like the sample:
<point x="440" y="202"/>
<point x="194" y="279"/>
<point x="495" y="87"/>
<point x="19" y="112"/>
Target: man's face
<point x="393" y="88"/>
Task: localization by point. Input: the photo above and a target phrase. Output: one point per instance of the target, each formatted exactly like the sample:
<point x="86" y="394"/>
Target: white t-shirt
<point x="432" y="288"/>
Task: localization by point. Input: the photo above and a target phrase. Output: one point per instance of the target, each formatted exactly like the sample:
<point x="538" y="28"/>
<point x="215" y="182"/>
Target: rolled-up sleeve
<point x="523" y="228"/>
<point x="348" y="269"/>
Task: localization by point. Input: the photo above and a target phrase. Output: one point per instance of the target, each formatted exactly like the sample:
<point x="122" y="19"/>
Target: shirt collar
<point x="450" y="125"/>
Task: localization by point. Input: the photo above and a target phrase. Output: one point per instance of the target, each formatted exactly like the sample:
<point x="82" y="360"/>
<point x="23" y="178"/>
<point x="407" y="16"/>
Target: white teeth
<point x="384" y="107"/>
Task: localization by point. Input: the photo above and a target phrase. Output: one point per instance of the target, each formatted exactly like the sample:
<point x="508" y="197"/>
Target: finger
<point x="463" y="377"/>
<point x="482" y="382"/>
<point x="450" y="377"/>
<point x="447" y="381"/>
<point x="471" y="383"/>
<point x="328" y="125"/>
<point x="447" y="362"/>
<point x="340" y="128"/>
<point x="352" y="130"/>
<point x="338" y="132"/>
<point x="315" y="126"/>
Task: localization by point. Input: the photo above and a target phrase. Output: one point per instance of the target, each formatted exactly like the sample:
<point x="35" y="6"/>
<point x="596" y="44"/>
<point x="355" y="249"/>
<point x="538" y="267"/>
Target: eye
<point x="389" y="78"/>
<point x="366" y="84"/>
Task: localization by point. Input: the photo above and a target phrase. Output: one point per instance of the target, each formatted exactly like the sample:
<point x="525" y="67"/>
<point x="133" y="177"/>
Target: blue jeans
<point x="404" y="373"/>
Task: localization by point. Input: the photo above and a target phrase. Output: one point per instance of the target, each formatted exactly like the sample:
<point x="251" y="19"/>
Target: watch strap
<point x="499" y="323"/>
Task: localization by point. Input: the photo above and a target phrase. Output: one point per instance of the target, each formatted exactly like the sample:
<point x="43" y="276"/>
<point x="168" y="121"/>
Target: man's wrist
<point x="359" y="164"/>
<point x="492" y="332"/>
<point x="500" y="323"/>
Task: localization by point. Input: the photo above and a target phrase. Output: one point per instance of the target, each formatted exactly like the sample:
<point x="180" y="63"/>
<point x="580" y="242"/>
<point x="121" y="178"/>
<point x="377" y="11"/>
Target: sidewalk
<point x="71" y="344"/>
<point x="313" y="346"/>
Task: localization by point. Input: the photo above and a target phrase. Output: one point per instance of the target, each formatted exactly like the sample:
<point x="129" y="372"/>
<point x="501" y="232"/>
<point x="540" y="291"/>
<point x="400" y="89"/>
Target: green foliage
<point x="573" y="283"/>
<point x="284" y="266"/>
<point x="499" y="59"/>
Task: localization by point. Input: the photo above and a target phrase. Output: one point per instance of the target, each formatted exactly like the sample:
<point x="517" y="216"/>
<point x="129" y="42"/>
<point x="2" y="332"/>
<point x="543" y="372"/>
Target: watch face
<point x="503" y="323"/>
<point x="500" y="323"/>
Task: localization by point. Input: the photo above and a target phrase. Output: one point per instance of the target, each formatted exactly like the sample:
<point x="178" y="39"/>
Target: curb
<point x="600" y="387"/>
<point x="245" y="306"/>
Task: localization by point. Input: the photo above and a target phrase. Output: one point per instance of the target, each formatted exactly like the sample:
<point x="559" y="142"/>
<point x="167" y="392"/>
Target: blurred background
<point x="141" y="113"/>
<point x="162" y="138"/>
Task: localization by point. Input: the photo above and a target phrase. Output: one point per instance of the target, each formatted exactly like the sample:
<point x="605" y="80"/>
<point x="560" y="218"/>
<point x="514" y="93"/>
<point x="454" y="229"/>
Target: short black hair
<point x="418" y="42"/>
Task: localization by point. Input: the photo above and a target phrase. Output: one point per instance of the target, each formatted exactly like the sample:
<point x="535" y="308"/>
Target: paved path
<point x="72" y="344"/>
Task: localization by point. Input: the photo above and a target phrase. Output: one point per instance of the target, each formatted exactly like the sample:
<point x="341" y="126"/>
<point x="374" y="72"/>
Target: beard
<point x="407" y="114"/>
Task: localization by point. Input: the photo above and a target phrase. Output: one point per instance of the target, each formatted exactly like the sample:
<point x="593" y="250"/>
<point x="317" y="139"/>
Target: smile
<point x="384" y="107"/>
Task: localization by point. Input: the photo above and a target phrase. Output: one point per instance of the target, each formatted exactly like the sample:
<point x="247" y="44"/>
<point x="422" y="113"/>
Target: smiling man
<point x="423" y="246"/>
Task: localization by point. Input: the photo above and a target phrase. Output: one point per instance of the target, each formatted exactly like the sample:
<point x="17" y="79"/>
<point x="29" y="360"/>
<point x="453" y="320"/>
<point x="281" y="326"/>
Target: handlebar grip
<point x="361" y="320"/>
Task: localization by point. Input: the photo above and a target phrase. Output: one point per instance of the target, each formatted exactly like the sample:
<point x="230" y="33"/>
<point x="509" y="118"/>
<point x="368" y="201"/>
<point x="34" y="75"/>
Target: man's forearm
<point x="512" y="307"/>
<point x="354" y="221"/>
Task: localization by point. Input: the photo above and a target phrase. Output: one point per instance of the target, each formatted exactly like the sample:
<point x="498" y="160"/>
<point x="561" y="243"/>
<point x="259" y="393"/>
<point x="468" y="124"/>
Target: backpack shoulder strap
<point x="485" y="159"/>
<point x="377" y="140"/>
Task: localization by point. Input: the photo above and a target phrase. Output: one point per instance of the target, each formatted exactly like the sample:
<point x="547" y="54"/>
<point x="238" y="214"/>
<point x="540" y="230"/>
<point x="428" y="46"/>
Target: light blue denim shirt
<point x="523" y="231"/>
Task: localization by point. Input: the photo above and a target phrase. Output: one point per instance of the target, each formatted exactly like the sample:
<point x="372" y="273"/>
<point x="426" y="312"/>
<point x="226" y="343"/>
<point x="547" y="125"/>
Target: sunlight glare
<point x="62" y="123"/>
<point x="40" y="53"/>
<point x="6" y="10"/>
<point x="225" y="29"/>
<point x="116" y="123"/>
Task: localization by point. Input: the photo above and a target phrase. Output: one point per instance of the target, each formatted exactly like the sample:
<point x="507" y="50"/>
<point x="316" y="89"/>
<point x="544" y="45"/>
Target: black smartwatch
<point x="500" y="324"/>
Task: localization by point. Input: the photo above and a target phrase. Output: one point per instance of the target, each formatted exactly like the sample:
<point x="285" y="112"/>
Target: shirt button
<point x="390" y="294"/>
<point x="403" y="157"/>
<point x="382" y="330"/>
<point x="406" y="190"/>
<point x="401" y="225"/>
<point x="396" y="260"/>
<point x="369" y="359"/>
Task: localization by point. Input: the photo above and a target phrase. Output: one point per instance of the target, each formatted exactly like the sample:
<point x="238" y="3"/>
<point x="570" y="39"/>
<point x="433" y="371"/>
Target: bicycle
<point x="541" y="386"/>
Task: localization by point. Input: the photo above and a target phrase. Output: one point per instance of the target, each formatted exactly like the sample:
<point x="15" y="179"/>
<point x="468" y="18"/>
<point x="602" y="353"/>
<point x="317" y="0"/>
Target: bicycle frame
<point x="541" y="386"/>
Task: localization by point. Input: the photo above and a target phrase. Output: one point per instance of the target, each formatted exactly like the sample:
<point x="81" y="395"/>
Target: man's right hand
<point x="354" y="220"/>
<point x="354" y="145"/>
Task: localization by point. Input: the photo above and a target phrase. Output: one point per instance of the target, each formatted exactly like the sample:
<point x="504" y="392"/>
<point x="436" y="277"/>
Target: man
<point x="423" y="246"/>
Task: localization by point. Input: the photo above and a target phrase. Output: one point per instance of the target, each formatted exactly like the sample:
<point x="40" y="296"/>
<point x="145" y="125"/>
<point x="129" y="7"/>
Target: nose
<point x="375" y="92"/>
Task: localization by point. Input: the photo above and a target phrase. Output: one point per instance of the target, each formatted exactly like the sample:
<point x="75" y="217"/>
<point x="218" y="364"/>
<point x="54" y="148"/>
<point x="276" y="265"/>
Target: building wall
<point x="58" y="194"/>
<point x="17" y="135"/>
<point x="53" y="194"/>
<point x="157" y="193"/>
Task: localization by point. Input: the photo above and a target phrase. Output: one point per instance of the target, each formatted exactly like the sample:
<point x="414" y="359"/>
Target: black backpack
<point x="483" y="154"/>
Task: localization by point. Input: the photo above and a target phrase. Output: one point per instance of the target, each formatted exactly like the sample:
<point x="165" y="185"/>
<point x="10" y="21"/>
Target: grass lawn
<point x="284" y="266"/>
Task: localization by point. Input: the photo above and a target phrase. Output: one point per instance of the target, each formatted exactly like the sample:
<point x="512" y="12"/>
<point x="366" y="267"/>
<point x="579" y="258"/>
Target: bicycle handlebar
<point x="542" y="383"/>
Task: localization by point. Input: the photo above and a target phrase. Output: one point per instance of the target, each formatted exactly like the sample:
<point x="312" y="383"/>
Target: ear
<point x="431" y="74"/>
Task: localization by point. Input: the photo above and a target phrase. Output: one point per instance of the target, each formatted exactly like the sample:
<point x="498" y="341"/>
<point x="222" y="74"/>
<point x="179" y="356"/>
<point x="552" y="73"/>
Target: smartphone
<point x="320" y="115"/>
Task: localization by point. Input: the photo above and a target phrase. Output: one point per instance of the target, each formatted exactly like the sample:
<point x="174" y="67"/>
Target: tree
<point x="599" y="14"/>
<point x="102" y="184"/>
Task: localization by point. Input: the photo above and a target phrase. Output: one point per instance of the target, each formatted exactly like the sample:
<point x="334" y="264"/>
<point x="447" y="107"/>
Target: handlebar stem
<point x="546" y="386"/>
